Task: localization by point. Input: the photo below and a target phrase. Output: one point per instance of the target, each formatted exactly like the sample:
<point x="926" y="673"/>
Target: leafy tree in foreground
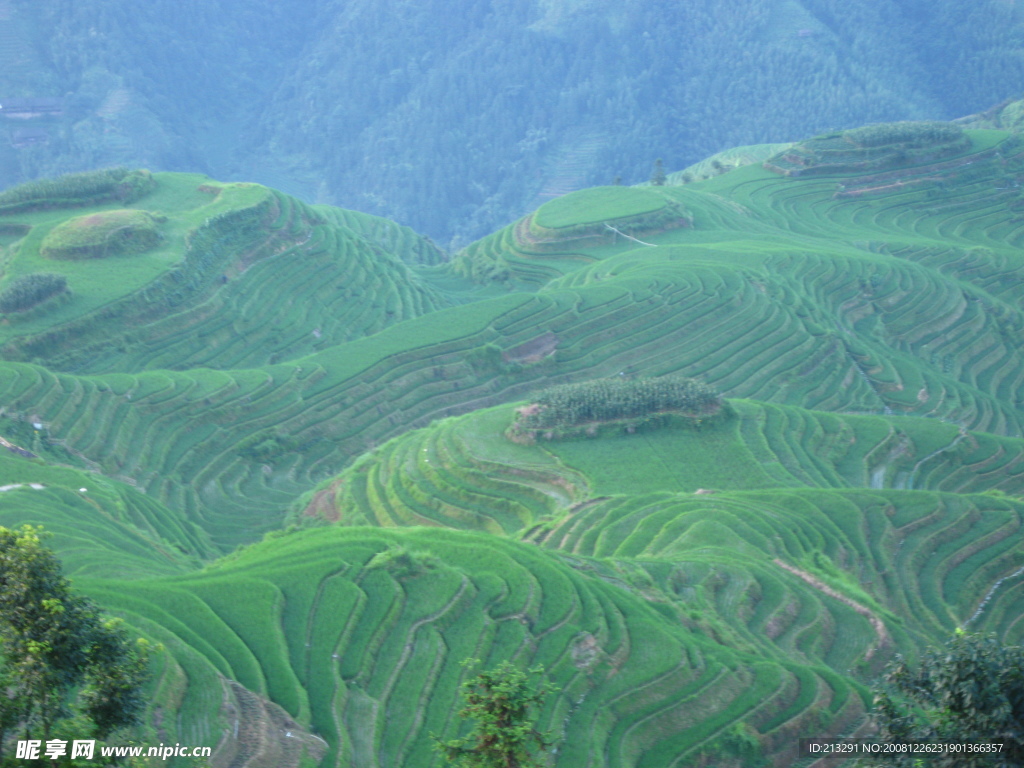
<point x="58" y="656"/>
<point x="504" y="737"/>
<point x="972" y="690"/>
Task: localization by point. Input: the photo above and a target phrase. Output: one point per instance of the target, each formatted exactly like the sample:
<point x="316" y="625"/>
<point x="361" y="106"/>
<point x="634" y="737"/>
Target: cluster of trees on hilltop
<point x="915" y="134"/>
<point x="568" y="405"/>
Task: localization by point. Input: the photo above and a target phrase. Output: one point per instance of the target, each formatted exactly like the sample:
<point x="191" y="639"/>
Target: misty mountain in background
<point x="456" y="117"/>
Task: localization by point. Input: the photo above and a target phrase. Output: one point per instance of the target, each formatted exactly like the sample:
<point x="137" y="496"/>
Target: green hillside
<point x="367" y="651"/>
<point x="467" y="473"/>
<point x="219" y="424"/>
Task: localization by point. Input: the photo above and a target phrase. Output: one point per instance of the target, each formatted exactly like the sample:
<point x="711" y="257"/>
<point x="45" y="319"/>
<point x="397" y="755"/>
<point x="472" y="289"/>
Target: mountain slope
<point x="215" y="363"/>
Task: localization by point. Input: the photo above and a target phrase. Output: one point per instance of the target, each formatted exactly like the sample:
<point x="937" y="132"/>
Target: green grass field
<point x="697" y="589"/>
<point x="590" y="206"/>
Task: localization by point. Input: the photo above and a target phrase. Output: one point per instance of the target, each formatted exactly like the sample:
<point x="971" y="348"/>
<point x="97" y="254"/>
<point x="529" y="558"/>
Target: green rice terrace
<point x="712" y="453"/>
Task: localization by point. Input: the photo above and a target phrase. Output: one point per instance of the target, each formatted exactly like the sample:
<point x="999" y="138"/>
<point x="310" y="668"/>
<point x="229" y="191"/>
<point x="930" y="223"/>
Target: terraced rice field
<point x="272" y="363"/>
<point x="664" y="493"/>
<point x="374" y="656"/>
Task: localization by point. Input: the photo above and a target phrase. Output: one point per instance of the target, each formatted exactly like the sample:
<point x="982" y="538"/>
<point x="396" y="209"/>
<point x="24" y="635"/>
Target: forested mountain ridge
<point x="457" y="120"/>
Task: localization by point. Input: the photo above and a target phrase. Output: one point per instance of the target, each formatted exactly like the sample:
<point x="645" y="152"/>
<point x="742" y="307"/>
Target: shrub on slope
<point x="98" y="235"/>
<point x="31" y="290"/>
<point x="78" y="189"/>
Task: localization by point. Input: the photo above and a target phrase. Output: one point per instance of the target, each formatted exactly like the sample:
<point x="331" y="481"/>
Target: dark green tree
<point x="500" y="701"/>
<point x="58" y="656"/>
<point x="971" y="690"/>
<point x="658" y="174"/>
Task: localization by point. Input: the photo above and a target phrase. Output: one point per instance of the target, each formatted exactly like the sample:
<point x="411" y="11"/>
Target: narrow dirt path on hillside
<point x="880" y="631"/>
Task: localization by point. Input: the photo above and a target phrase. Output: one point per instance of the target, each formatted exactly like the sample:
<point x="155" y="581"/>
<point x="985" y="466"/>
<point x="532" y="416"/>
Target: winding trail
<point x="992" y="591"/>
<point x="880" y="631"/>
<point x="628" y="237"/>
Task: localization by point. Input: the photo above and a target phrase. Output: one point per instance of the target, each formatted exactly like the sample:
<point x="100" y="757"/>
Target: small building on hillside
<point x="27" y="108"/>
<point x="30" y="137"/>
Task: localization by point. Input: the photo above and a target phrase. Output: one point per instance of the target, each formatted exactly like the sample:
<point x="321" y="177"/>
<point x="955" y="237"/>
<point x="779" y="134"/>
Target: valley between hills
<point x="275" y="437"/>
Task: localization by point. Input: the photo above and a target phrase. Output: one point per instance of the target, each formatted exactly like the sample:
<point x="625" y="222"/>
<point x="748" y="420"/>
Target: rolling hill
<point x="275" y="437"/>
